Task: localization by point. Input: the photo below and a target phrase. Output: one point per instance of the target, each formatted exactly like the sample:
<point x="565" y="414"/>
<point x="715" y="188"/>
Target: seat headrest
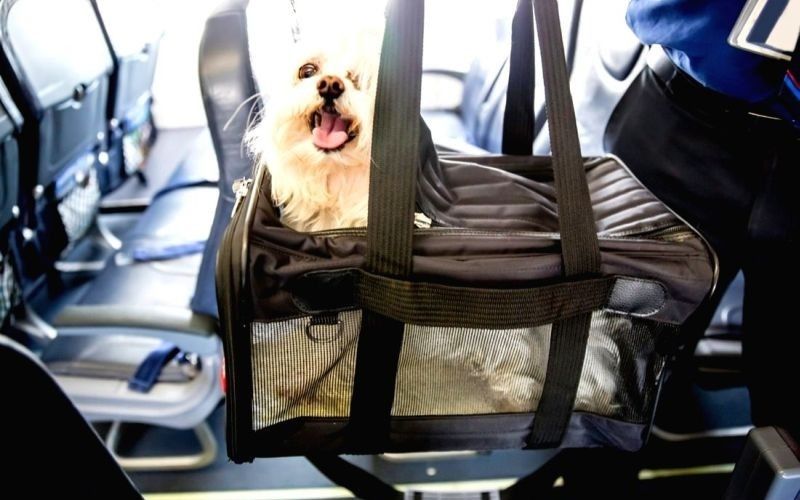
<point x="226" y="82"/>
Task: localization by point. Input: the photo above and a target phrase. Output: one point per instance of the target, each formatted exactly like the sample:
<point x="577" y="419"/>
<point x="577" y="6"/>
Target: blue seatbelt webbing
<point x="167" y="252"/>
<point x="185" y="185"/>
<point x="149" y="370"/>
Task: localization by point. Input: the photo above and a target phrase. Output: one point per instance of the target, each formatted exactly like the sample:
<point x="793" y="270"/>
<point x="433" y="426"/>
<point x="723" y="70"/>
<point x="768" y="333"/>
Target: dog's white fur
<point x="318" y="190"/>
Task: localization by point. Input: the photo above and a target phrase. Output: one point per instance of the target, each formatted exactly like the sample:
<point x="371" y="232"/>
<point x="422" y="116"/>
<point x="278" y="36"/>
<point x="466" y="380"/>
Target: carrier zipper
<point x="458" y="231"/>
<point x="234" y="305"/>
<point x="713" y="252"/>
<point x="240" y="189"/>
<point x="673" y="233"/>
<point x="229" y="305"/>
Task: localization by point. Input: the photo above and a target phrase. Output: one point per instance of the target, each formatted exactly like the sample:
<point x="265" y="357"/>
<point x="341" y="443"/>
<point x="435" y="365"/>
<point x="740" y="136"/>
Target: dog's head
<point x="318" y="117"/>
<point x="328" y="104"/>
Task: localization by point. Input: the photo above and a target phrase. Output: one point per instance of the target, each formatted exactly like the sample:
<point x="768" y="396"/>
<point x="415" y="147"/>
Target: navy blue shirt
<point x="695" y="36"/>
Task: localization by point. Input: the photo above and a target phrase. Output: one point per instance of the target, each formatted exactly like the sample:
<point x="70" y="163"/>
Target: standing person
<point x="713" y="131"/>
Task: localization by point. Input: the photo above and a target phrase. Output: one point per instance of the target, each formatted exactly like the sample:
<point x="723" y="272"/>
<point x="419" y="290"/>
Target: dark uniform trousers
<point x="735" y="177"/>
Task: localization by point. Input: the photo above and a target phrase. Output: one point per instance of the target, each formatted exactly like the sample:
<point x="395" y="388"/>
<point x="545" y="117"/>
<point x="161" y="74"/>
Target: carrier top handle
<point x="395" y="141"/>
<point x="579" y="248"/>
<point x="396" y="135"/>
<point x="519" y="118"/>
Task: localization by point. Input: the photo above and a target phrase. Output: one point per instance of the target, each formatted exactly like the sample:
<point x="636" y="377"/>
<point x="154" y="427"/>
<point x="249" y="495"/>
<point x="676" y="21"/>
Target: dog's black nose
<point x="330" y="87"/>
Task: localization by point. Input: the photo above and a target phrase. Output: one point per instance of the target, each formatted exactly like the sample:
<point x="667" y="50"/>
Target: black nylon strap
<point x="430" y="304"/>
<point x="519" y="115"/>
<point x="579" y="247"/>
<point x="377" y="356"/>
<point x="390" y="223"/>
<point x="568" y="340"/>
<point x="395" y="142"/>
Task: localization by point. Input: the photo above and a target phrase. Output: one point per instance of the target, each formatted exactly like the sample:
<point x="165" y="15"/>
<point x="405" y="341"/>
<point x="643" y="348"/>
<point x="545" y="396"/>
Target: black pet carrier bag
<point x="537" y="310"/>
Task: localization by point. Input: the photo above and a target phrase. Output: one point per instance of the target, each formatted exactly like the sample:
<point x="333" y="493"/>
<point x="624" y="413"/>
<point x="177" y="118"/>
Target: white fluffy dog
<point x="316" y="131"/>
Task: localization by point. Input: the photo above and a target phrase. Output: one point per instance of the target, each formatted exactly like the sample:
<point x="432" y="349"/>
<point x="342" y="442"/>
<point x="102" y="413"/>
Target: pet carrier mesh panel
<point x="78" y="208"/>
<point x="305" y="368"/>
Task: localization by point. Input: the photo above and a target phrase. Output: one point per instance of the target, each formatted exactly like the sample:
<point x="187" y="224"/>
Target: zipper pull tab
<point x="240" y="188"/>
<point x="422" y="221"/>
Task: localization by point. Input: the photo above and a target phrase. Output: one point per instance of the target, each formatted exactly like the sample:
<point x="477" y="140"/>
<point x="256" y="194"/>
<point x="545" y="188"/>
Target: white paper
<point x="782" y="38"/>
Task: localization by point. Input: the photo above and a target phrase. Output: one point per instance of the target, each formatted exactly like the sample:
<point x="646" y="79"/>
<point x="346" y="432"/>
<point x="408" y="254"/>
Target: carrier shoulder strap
<point x="580" y="250"/>
<point x="519" y="115"/>
<point x="390" y="223"/>
<point x="520" y="125"/>
<point x="396" y="133"/>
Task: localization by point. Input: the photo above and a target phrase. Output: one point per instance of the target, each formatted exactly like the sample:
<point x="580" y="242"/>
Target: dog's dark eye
<point x="353" y="77"/>
<point x="308" y="70"/>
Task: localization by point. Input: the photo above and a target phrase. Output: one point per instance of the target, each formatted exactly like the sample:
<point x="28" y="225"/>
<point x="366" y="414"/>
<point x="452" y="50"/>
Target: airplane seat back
<point x="57" y="68"/>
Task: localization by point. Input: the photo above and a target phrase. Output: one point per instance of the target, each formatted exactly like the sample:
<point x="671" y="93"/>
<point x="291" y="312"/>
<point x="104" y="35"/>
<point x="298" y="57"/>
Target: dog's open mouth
<point x="329" y="130"/>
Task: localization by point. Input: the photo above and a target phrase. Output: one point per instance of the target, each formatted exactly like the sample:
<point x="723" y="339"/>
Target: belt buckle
<point x="764" y="121"/>
<point x="762" y="116"/>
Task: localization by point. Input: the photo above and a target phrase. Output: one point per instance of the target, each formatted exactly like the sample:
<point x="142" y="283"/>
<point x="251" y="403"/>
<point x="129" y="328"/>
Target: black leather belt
<point x="693" y="95"/>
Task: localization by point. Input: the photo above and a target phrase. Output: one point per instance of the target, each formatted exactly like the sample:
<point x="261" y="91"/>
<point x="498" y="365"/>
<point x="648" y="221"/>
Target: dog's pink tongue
<point x="331" y="133"/>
